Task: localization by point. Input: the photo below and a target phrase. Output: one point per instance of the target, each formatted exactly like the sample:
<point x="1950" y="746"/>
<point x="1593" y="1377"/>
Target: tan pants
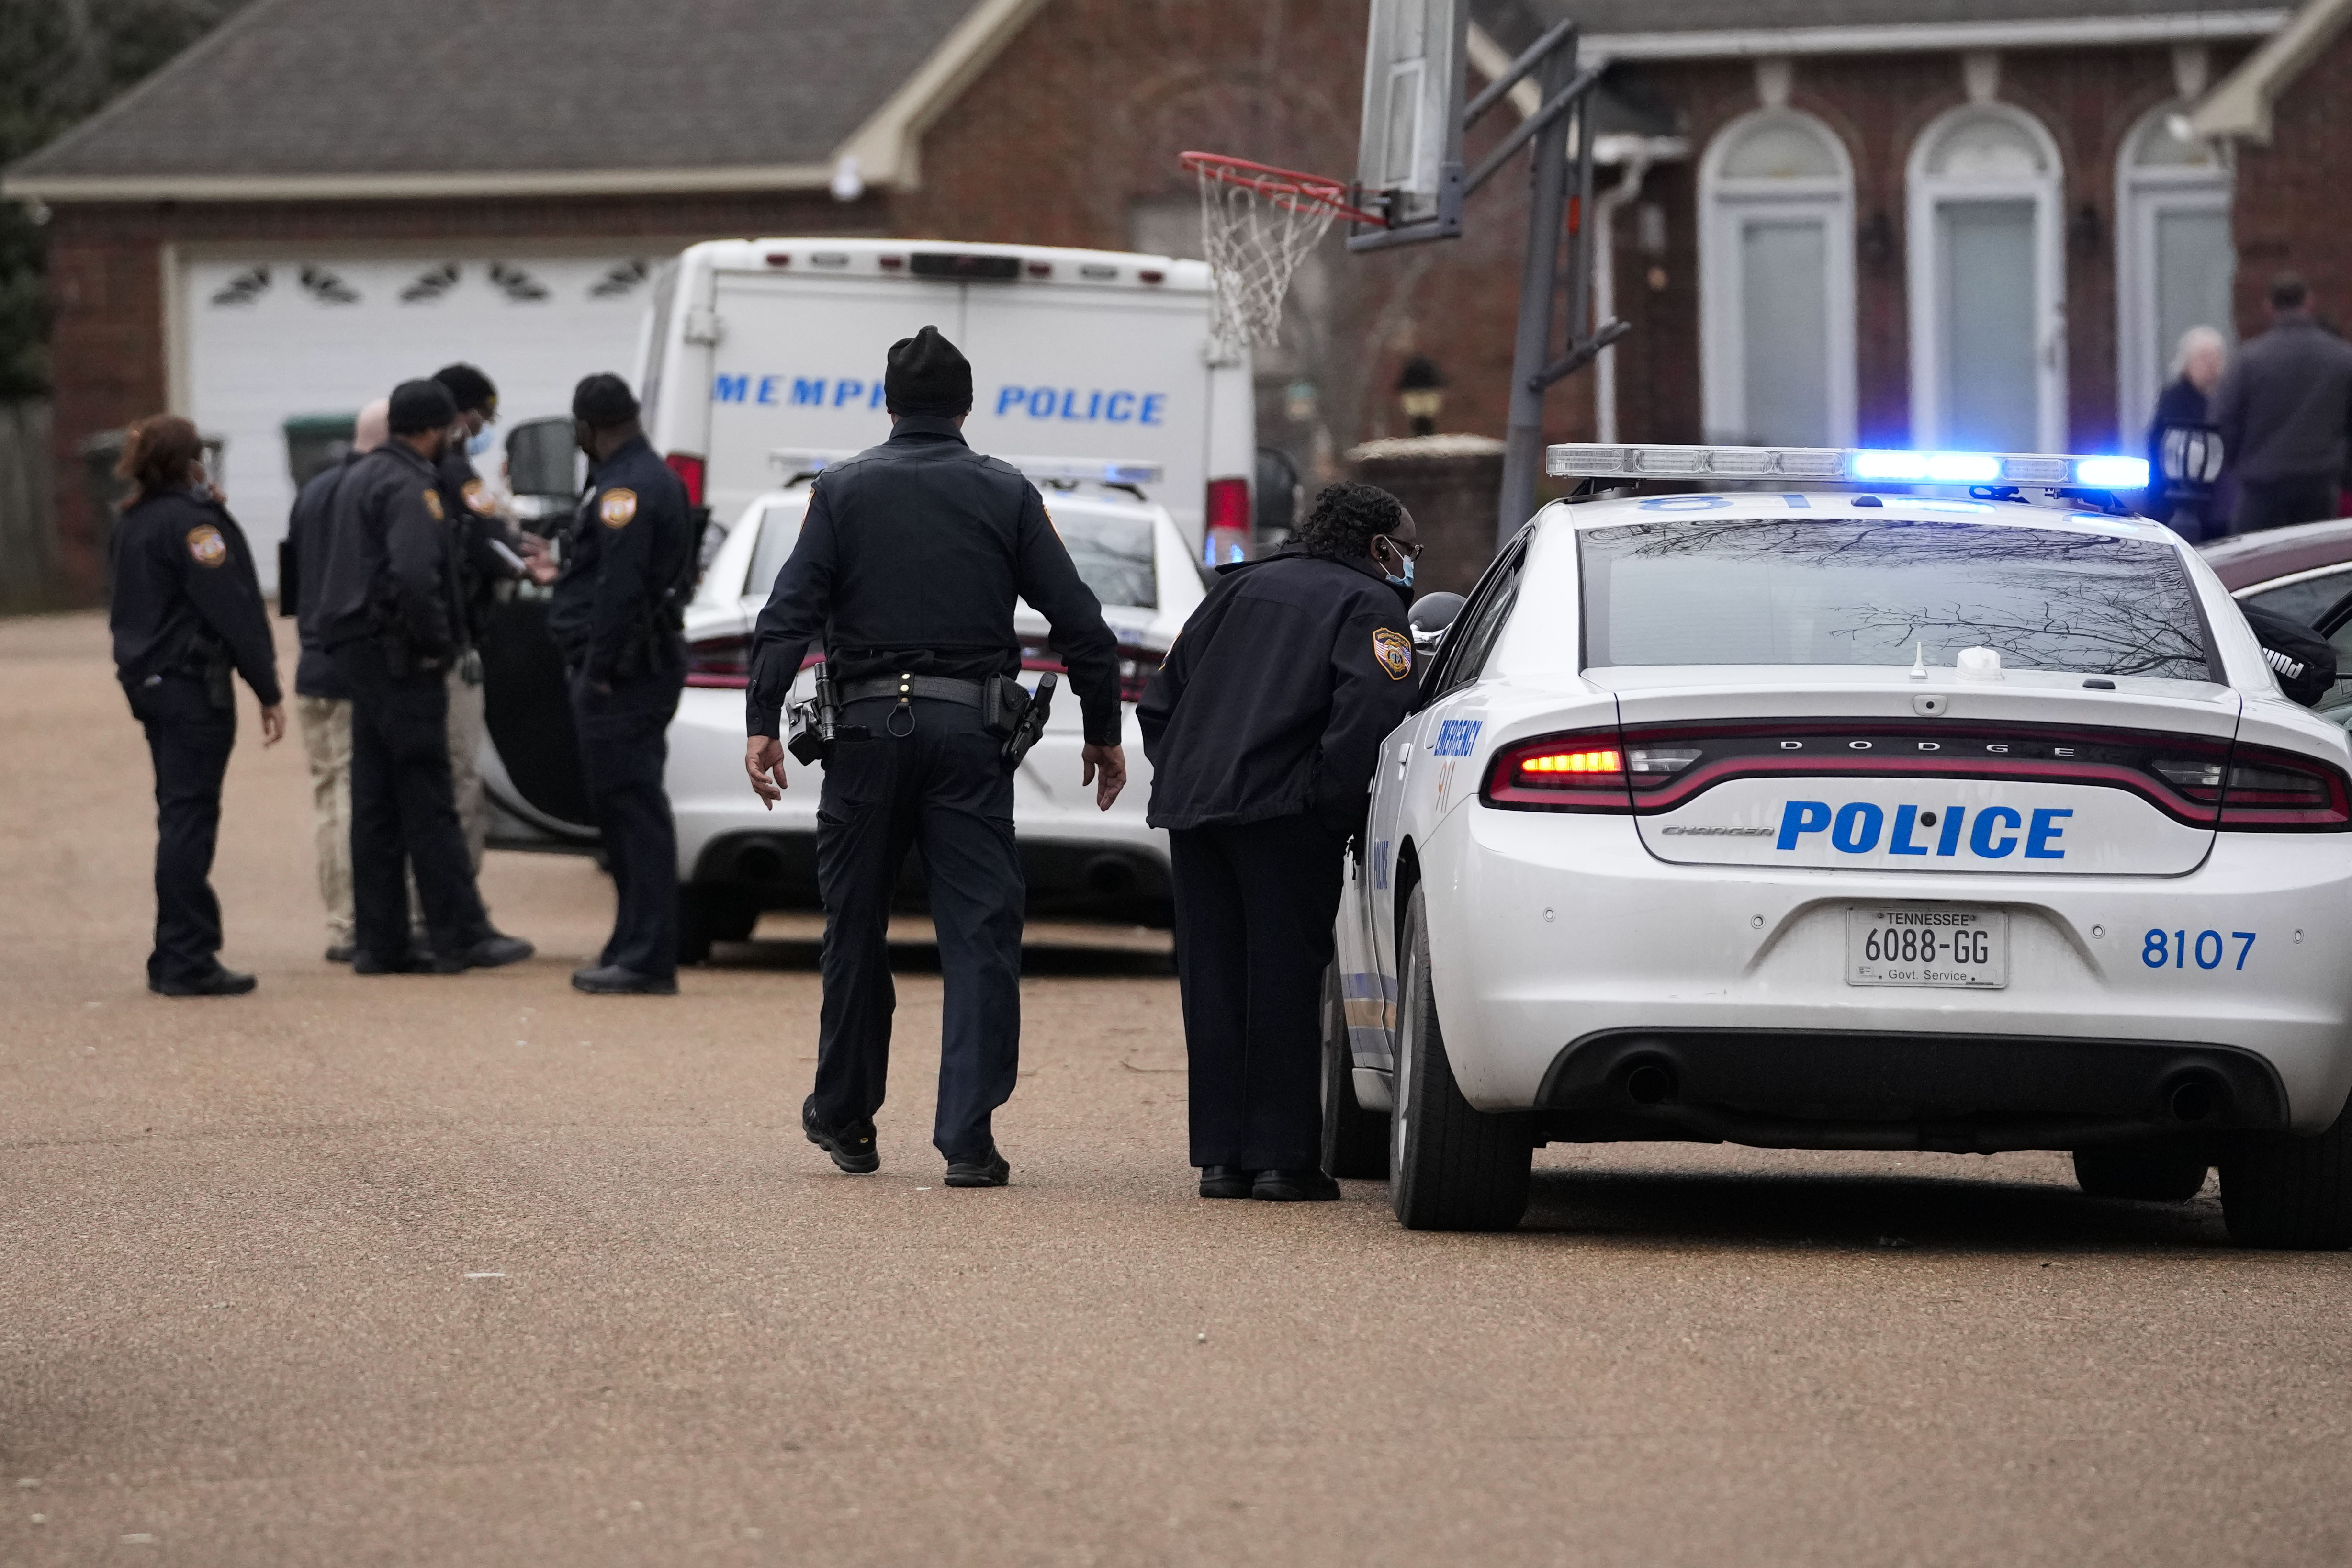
<point x="327" y="743"/>
<point x="467" y="727"/>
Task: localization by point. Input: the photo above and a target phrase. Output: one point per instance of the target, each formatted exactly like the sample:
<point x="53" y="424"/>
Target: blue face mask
<point x="481" y="441"/>
<point x="1395" y="580"/>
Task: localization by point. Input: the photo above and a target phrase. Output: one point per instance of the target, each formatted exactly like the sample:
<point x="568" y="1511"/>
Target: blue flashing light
<point x="1963" y="467"/>
<point x="2112" y="473"/>
<point x="1897" y="466"/>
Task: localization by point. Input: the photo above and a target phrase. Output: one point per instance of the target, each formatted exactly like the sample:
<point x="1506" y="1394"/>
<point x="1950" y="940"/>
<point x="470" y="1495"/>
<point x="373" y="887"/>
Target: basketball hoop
<point x="1258" y="224"/>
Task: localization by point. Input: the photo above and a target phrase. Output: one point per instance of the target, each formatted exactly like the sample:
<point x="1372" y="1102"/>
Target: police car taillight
<point x="720" y="661"/>
<point x="1580" y="771"/>
<point x="688" y="468"/>
<point x="2269" y="791"/>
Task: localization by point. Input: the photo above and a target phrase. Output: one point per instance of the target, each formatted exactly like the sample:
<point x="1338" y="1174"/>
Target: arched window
<point x="2173" y="256"/>
<point x="1775" y="283"/>
<point x="1987" y="284"/>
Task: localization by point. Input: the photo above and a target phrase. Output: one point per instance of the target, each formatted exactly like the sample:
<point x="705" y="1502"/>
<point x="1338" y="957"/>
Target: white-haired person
<point x="2198" y="363"/>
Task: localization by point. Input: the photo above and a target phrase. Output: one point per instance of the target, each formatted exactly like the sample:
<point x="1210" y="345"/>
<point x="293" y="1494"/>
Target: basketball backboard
<point x="1409" y="155"/>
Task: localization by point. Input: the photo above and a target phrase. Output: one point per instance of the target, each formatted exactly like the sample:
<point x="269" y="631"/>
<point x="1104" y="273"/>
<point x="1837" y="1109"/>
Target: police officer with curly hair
<point x="186" y="610"/>
<point x="1263" y="728"/>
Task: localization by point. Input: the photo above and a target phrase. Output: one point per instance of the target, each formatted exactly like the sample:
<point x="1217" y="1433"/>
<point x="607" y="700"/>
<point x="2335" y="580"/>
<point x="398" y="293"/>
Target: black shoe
<point x="493" y="952"/>
<point x="851" y="1150"/>
<point x="1294" y="1187"/>
<point x="411" y="963"/>
<point x="612" y="980"/>
<point x="989" y="1170"/>
<point x="341" y="953"/>
<point x="219" y="982"/>
<point x="1225" y="1182"/>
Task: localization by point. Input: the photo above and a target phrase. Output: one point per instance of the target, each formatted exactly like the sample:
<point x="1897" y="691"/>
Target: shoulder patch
<point x="1393" y="651"/>
<point x="478" y="499"/>
<point x="433" y="504"/>
<point x="206" y="545"/>
<point x="616" y="508"/>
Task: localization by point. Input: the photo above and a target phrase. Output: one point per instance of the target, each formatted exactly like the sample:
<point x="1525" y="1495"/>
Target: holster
<point x="216" y="668"/>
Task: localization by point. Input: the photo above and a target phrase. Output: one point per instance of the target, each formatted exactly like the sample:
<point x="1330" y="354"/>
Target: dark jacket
<point x="2285" y="409"/>
<point x="630" y="543"/>
<point x="1275" y="698"/>
<point x="909" y="560"/>
<point x="186" y="591"/>
<point x="309" y="528"/>
<point x="392" y="568"/>
<point x="474" y="519"/>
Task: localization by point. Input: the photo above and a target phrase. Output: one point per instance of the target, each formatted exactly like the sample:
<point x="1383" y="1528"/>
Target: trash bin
<point x="107" y="492"/>
<point x="315" y="442"/>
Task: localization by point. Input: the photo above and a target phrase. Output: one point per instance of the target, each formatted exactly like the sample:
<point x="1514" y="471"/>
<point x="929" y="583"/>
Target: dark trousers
<point x="1254" y="911"/>
<point x="943" y="787"/>
<point x="624" y="747"/>
<point x="189" y="739"/>
<point x="2281" y="503"/>
<point x="403" y="809"/>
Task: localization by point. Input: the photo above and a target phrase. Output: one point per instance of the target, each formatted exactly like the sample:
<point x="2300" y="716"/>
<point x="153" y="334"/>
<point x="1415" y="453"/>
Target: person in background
<point x="186" y="610"/>
<point x="1263" y="728"/>
<point x="391" y="620"/>
<point x="2198" y="364"/>
<point x="2283" y="411"/>
<point x="480" y="534"/>
<point x="322" y="702"/>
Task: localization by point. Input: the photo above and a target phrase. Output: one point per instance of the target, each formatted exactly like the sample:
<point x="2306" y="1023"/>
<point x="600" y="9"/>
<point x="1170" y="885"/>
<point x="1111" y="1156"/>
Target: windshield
<point x="1855" y="591"/>
<point x="1113" y="554"/>
<point x="780" y="530"/>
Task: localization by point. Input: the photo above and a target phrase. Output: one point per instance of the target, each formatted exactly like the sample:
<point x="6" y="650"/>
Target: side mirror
<point x="1431" y="614"/>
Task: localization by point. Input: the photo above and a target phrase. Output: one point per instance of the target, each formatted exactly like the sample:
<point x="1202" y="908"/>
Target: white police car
<point x="1829" y="817"/>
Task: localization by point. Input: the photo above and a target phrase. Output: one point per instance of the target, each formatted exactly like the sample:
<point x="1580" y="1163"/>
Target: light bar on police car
<point x="1067" y="470"/>
<point x="1845" y="465"/>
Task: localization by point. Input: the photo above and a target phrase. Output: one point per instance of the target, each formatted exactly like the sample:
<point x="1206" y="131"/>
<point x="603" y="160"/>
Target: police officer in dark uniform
<point x="391" y="619"/>
<point x="629" y="569"/>
<point x="1263" y="728"/>
<point x="489" y="553"/>
<point x="907" y="566"/>
<point x="186" y="610"/>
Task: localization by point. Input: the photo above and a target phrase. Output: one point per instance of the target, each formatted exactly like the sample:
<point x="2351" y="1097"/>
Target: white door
<point x="261" y="340"/>
<point x="2174" y="258"/>
<point x="1776" y="284"/>
<point x="1987" y="272"/>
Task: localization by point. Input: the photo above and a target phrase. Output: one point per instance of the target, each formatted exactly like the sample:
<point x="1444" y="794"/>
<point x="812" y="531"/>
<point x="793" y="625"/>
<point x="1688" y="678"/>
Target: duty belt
<point x="938" y="689"/>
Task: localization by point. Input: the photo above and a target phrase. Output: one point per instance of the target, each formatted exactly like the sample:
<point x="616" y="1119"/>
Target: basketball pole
<point x="1523" y="444"/>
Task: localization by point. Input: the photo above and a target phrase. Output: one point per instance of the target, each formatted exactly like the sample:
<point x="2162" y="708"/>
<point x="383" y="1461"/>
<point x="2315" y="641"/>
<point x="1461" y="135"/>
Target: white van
<point x="761" y="346"/>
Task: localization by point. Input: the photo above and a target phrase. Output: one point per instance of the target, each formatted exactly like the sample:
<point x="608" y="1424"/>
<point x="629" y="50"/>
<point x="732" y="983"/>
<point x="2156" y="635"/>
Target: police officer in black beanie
<point x="391" y="618"/>
<point x="907" y="566"/>
<point x="620" y="600"/>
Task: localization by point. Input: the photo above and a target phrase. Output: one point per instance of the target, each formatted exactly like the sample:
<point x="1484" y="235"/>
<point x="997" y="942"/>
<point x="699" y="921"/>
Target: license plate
<point x="1926" y="944"/>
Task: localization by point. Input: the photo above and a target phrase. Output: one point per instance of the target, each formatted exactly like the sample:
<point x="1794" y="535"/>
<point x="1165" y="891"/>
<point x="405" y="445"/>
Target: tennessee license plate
<point x="1926" y="944"/>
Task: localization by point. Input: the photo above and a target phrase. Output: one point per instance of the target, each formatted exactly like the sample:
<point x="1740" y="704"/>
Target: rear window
<point x="780" y="530"/>
<point x="1868" y="591"/>
<point x="1113" y="555"/>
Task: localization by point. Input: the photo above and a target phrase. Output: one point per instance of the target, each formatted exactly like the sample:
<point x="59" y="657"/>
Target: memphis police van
<point x="759" y="349"/>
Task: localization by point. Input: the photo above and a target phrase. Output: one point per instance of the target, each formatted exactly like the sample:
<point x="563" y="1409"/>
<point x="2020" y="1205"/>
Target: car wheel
<point x="708" y="914"/>
<point x="2282" y="1191"/>
<point x="2150" y="1172"/>
<point x="1451" y="1167"/>
<point x="1355" y="1140"/>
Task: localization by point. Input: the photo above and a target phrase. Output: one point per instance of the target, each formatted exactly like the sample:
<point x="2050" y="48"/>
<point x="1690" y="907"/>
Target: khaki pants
<point x="467" y="727"/>
<point x="327" y="743"/>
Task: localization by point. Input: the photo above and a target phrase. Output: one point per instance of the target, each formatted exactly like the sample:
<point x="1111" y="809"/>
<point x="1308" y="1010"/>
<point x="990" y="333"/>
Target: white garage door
<point x="267" y="340"/>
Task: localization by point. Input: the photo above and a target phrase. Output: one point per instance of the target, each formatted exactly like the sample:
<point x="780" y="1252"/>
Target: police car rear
<point x="1842" y="819"/>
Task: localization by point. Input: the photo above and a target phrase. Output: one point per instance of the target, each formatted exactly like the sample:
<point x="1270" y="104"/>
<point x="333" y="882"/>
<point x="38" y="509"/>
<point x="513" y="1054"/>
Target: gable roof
<point x="314" y="99"/>
<point x="1700" y="29"/>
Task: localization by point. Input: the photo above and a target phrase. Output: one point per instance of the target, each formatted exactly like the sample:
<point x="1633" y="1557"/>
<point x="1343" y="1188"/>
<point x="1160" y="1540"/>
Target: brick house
<point x="317" y="200"/>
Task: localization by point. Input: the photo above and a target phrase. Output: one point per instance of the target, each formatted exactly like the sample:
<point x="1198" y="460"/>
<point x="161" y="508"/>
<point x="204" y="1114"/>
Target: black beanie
<point x="421" y="406"/>
<point x="471" y="389"/>
<point x="603" y="400"/>
<point x="928" y="375"/>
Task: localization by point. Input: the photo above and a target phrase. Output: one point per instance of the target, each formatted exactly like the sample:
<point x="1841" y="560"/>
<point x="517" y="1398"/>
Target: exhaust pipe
<point x="760" y="863"/>
<point x="1650" y="1082"/>
<point x="2196" y="1097"/>
<point x="1108" y="874"/>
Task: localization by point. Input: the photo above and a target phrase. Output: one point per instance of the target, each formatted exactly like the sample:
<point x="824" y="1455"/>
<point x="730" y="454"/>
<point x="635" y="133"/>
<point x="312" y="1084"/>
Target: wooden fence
<point x="29" y="527"/>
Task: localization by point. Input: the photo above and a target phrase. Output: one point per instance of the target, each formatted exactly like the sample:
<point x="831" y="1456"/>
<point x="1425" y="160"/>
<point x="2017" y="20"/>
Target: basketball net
<point x="1258" y="224"/>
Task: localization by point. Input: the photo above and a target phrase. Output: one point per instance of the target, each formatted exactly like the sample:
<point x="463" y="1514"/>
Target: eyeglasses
<point x="1410" y="551"/>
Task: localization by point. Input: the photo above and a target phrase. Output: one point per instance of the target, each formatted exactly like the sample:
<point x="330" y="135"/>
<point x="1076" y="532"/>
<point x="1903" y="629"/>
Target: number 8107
<point x="2160" y="948"/>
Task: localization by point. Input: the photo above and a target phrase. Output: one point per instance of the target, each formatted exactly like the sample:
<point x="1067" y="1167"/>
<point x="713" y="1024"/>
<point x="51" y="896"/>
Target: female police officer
<point x="186" y="609"/>
<point x="1263" y="729"/>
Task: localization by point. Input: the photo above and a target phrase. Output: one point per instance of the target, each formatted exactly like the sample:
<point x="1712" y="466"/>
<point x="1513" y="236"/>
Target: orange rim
<point x="1292" y="188"/>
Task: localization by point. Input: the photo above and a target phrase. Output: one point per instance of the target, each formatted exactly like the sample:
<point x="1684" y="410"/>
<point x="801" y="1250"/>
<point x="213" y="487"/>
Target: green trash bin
<point x="315" y="442"/>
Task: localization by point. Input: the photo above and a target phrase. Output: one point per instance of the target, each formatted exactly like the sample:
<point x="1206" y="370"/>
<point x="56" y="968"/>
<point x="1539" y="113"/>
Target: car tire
<point x="2147" y="1172"/>
<point x="2290" y="1193"/>
<point x="708" y="914"/>
<point x="1355" y="1140"/>
<point x="1452" y="1167"/>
